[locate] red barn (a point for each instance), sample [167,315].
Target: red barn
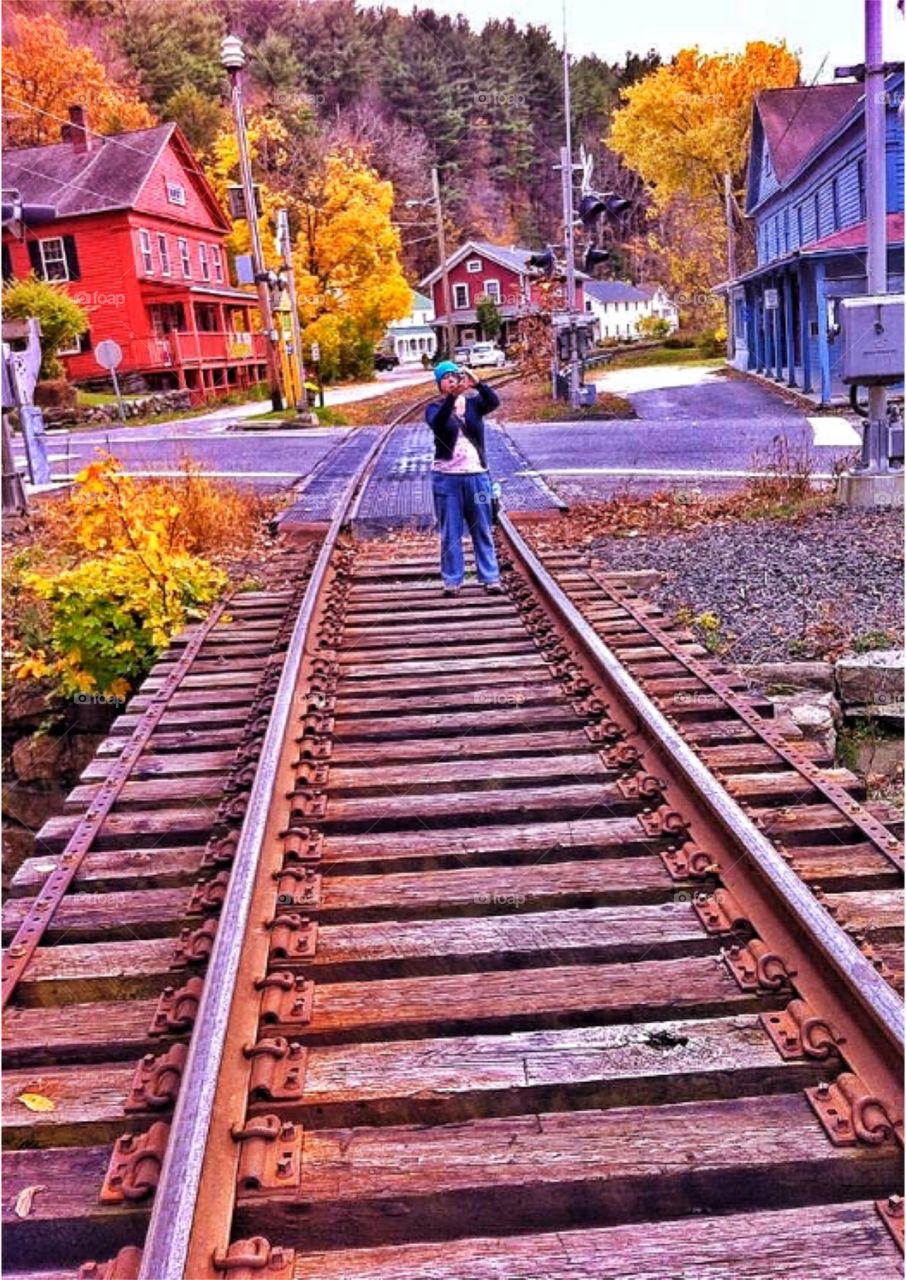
[481,269]
[139,241]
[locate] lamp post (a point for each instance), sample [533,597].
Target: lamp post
[232,59]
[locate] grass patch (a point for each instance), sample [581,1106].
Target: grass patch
[652,356]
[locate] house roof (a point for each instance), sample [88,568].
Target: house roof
[618,291]
[797,120]
[110,175]
[421,302]
[856,237]
[513,257]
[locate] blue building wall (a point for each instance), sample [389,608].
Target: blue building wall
[797,341]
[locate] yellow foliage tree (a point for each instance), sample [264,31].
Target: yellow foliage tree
[268,140]
[349,278]
[682,128]
[44,73]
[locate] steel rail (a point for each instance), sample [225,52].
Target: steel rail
[20,951]
[870,991]
[852,810]
[167,1241]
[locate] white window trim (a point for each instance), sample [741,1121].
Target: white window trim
[496,284]
[71,351]
[474,266]
[61,261]
[185,257]
[171,188]
[144,248]
[217,255]
[163,253]
[204,264]
[460,306]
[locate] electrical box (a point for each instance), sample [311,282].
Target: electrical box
[872,335]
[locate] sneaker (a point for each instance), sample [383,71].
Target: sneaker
[493,588]
[452,591]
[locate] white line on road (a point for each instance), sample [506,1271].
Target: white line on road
[834,431]
[213,475]
[653,471]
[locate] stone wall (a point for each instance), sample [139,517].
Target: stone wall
[45,749]
[153,404]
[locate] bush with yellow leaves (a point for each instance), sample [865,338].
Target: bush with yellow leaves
[112,614]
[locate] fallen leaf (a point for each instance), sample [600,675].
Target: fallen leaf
[36,1102]
[25,1199]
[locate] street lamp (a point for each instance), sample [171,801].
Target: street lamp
[232,59]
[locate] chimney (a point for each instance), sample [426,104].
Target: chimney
[76,131]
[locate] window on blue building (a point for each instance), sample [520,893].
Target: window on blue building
[860,178]
[835,202]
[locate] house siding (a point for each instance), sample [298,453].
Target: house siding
[798,343]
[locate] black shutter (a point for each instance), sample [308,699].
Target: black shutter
[7,264]
[85,341]
[72,258]
[34,257]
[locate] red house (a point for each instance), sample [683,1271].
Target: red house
[481,269]
[139,242]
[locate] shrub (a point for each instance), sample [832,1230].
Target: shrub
[111,617]
[653,327]
[62,320]
[113,613]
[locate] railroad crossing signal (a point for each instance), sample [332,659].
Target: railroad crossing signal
[545,261]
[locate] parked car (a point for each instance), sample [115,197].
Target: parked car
[461,354]
[483,354]
[385,360]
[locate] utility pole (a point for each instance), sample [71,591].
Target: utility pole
[442,250]
[289,275]
[569,236]
[232,59]
[874,442]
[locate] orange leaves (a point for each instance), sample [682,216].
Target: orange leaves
[44,73]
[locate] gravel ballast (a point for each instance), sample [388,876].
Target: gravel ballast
[780,589]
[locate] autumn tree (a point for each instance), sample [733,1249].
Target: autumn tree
[44,73]
[348,274]
[682,128]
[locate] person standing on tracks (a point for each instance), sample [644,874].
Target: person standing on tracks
[463,496]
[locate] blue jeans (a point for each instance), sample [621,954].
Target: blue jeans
[464,501]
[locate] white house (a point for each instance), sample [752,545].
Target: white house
[412,337]
[619,306]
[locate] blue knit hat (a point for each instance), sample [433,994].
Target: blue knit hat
[445,366]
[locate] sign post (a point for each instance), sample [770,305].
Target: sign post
[108,355]
[316,361]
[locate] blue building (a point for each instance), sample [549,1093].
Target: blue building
[806,197]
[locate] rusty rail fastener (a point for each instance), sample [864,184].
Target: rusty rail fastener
[135,1165]
[850,1114]
[270,1155]
[254,1259]
[797,1032]
[156,1082]
[278,1070]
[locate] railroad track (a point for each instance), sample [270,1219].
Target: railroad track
[419,942]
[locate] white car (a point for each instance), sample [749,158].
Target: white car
[483,354]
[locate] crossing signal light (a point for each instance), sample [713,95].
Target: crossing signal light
[593,205]
[594,258]
[545,261]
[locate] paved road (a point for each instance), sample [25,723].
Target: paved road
[695,427]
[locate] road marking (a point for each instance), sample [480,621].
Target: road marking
[653,471]
[834,431]
[212,475]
